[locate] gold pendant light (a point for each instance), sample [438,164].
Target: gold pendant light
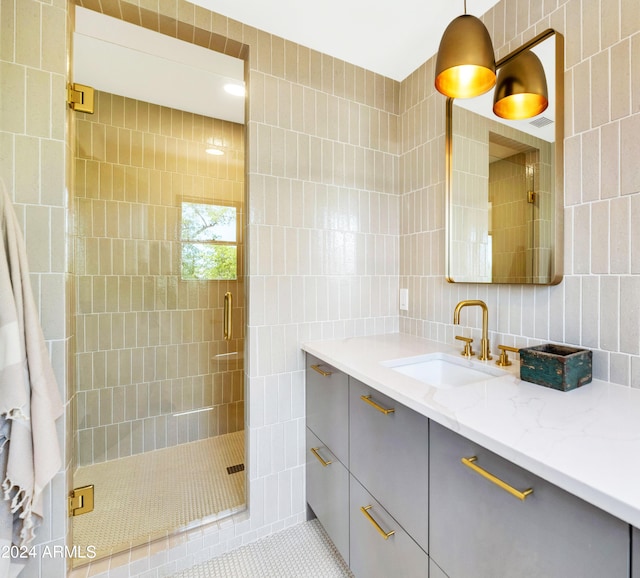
[465,66]
[521,90]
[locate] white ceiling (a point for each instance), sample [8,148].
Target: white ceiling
[120,58]
[392,38]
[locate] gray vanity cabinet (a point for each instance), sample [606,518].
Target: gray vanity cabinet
[635,553]
[327,450]
[389,455]
[380,548]
[478,529]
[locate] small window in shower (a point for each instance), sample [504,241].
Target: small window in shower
[209,237]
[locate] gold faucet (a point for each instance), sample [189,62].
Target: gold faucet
[485,351]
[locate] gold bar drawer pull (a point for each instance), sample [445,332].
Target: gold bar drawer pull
[384,410]
[470,463]
[321,371]
[385,535]
[324,463]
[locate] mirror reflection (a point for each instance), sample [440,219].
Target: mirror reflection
[504,188]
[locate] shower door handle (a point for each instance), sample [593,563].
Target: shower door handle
[226,322]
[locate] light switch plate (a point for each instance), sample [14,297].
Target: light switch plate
[404,299]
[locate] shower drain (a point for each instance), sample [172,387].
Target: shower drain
[235,469]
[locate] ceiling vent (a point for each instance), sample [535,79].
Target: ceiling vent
[541,121]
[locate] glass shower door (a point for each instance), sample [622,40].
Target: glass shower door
[159,348]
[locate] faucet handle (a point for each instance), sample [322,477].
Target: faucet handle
[468,348]
[504,356]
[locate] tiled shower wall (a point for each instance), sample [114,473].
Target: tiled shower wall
[597,305]
[147,340]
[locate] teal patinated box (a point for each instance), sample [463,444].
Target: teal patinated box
[556,366]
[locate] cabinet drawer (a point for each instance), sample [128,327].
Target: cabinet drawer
[327,405]
[371,554]
[389,455]
[478,529]
[328,492]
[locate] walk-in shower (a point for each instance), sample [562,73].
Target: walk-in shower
[158,204]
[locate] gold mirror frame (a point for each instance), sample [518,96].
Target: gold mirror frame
[555,256]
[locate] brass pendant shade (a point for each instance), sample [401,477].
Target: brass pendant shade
[465,66]
[521,90]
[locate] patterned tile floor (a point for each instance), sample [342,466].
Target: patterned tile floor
[150,495]
[302,551]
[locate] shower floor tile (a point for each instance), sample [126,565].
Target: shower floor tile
[149,496]
[302,550]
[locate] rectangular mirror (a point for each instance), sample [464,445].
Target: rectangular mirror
[505,195]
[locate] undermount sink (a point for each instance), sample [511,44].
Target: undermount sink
[443,370]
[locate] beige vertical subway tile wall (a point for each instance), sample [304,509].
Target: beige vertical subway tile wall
[34,163]
[147,341]
[356,209]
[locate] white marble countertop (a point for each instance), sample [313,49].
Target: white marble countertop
[586,441]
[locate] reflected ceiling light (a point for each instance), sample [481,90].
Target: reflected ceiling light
[214,151]
[235,89]
[465,66]
[521,90]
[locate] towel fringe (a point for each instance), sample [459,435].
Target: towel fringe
[15,413]
[20,500]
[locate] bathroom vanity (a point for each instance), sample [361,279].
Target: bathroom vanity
[488,478]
